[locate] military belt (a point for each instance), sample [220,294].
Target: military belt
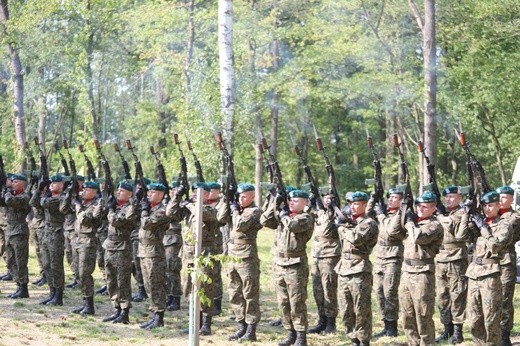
[150,241]
[242,241]
[452,246]
[418,262]
[86,236]
[115,237]
[204,244]
[390,242]
[324,239]
[52,224]
[350,256]
[291,254]
[482,261]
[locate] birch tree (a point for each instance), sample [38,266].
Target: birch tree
[225,49]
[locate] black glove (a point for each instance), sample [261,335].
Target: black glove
[181,190]
[279,200]
[145,205]
[379,208]
[478,221]
[234,207]
[111,203]
[312,200]
[139,192]
[467,205]
[441,209]
[42,185]
[284,213]
[410,216]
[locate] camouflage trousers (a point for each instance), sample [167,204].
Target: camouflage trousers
[485,309]
[100,251]
[354,292]
[36,238]
[244,289]
[452,290]
[387,276]
[70,254]
[2,241]
[118,270]
[508,279]
[17,256]
[52,248]
[154,277]
[208,287]
[417,300]
[325,285]
[291,294]
[173,269]
[219,290]
[136,261]
[86,264]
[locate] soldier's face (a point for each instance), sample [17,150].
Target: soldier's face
[8,183]
[214,194]
[452,200]
[358,207]
[246,198]
[56,187]
[394,201]
[89,193]
[123,195]
[18,185]
[155,196]
[491,209]
[297,204]
[505,201]
[425,210]
[80,184]
[326,200]
[205,196]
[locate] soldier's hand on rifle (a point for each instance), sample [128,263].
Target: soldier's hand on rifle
[145,205]
[139,192]
[410,216]
[181,190]
[42,185]
[480,223]
[279,200]
[233,207]
[441,209]
[379,208]
[467,205]
[111,204]
[284,213]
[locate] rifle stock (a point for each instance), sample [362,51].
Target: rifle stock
[108,188]
[160,172]
[378,173]
[183,174]
[405,177]
[231,182]
[126,167]
[310,178]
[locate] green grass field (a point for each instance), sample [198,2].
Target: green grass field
[25,322]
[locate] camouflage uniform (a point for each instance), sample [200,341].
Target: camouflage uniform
[101,236]
[219,249]
[37,228]
[451,265]
[355,277]
[244,276]
[417,288]
[172,242]
[70,237]
[291,268]
[136,261]
[484,286]
[3,225]
[17,235]
[154,224]
[118,255]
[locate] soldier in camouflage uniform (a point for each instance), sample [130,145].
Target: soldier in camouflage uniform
[388,262]
[53,238]
[3,224]
[215,200]
[244,276]
[178,210]
[89,211]
[101,236]
[37,228]
[326,251]
[484,286]
[172,242]
[123,214]
[16,201]
[70,238]
[451,265]
[293,229]
[508,263]
[154,223]
[422,239]
[358,238]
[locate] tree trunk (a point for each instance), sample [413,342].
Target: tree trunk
[189,50]
[162,101]
[227,87]
[90,81]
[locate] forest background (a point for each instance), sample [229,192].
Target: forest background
[142,70]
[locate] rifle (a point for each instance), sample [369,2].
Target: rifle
[405,177]
[44,168]
[33,174]
[268,167]
[139,175]
[183,174]
[73,170]
[160,172]
[62,160]
[282,203]
[379,190]
[126,167]
[310,178]
[3,175]
[91,173]
[108,189]
[198,167]
[433,180]
[231,182]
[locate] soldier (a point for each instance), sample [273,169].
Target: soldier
[172,242]
[123,214]
[451,265]
[422,239]
[213,200]
[244,276]
[388,262]
[70,238]
[154,224]
[484,286]
[101,236]
[3,224]
[36,230]
[326,251]
[53,238]
[508,263]
[179,210]
[293,229]
[16,202]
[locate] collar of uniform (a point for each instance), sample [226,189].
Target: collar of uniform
[360,216]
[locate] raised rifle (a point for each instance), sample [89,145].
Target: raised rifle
[231,182]
[44,168]
[310,178]
[198,167]
[3,175]
[73,170]
[33,173]
[183,174]
[160,173]
[62,160]
[379,189]
[433,180]
[283,201]
[268,167]
[139,175]
[405,179]
[126,167]
[109,188]
[91,173]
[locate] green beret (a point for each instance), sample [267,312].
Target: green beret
[9,175]
[506,190]
[289,188]
[394,191]
[245,187]
[18,177]
[156,187]
[200,185]
[91,185]
[80,177]
[426,197]
[214,185]
[299,193]
[452,189]
[173,185]
[490,197]
[56,179]
[348,196]
[359,196]
[126,185]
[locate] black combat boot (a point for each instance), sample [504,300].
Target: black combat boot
[52,292]
[276,323]
[250,334]
[43,281]
[330,327]
[175,304]
[356,342]
[217,306]
[457,337]
[169,300]
[57,299]
[146,324]
[140,295]
[73,284]
[241,330]
[89,306]
[78,310]
[391,328]
[123,318]
[446,334]
[7,277]
[384,332]
[112,317]
[10,295]
[289,339]
[158,320]
[37,281]
[506,335]
[301,339]
[102,290]
[322,322]
[366,343]
[205,328]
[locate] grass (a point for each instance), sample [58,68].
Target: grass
[25,322]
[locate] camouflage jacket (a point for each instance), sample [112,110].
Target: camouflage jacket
[154,224]
[121,222]
[326,238]
[456,234]
[88,218]
[17,209]
[38,218]
[389,247]
[51,205]
[510,253]
[173,235]
[3,218]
